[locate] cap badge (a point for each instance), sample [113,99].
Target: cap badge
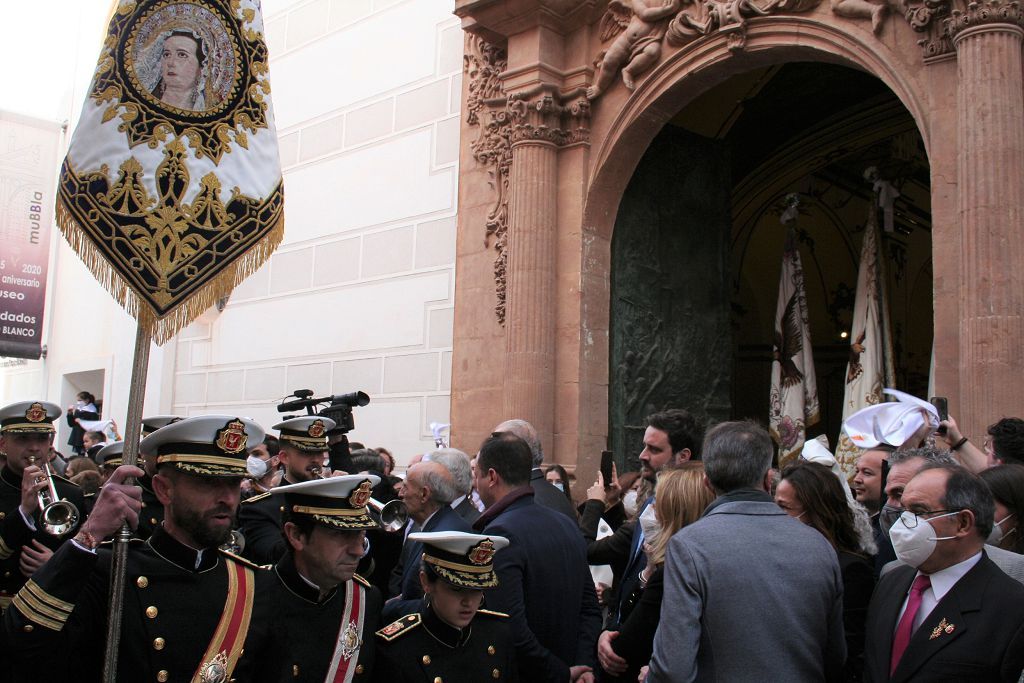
[482,553]
[317,429]
[232,439]
[361,496]
[35,413]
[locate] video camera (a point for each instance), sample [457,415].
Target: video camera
[338,408]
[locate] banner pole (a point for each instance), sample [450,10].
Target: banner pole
[119,562]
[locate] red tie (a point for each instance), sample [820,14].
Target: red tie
[906,626]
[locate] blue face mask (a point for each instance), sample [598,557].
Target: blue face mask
[559,485]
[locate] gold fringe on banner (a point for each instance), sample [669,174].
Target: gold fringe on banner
[164,327]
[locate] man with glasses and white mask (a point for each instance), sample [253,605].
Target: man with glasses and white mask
[949,613]
[904,465]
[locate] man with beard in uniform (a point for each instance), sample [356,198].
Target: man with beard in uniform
[316,616]
[186,606]
[153,511]
[26,434]
[303,442]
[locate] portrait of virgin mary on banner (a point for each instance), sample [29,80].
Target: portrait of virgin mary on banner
[171,191]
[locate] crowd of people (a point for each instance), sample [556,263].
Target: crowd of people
[303,557]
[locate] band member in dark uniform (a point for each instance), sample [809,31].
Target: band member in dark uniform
[186,606]
[303,448]
[450,639]
[26,435]
[317,616]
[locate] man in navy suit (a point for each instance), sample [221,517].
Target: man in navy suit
[949,613]
[544,583]
[544,493]
[428,491]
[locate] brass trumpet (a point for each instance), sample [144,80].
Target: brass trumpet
[59,516]
[392,516]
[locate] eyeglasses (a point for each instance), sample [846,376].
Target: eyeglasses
[918,515]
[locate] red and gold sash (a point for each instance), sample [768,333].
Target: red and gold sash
[350,636]
[226,645]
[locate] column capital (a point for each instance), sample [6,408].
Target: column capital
[983,16]
[544,118]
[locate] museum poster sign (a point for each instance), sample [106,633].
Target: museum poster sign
[28,173]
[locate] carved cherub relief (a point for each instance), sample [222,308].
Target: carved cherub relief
[861,9]
[640,26]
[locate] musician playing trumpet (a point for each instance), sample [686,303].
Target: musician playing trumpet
[303,450]
[26,435]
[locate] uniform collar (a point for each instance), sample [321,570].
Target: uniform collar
[446,634]
[177,553]
[298,584]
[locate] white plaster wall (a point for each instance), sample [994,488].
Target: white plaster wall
[360,293]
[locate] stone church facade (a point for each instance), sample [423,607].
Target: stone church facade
[562,99]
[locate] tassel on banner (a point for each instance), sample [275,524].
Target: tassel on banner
[162,329]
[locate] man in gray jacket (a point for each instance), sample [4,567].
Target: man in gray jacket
[751,594]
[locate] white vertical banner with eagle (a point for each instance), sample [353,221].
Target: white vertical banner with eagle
[865,372]
[794,393]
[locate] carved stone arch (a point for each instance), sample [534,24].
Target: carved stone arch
[621,137]
[692,70]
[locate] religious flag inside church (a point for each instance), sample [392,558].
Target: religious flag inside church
[865,370]
[171,191]
[793,400]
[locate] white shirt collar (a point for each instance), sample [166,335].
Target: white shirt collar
[944,579]
[455,503]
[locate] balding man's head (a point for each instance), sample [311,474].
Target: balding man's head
[428,486]
[525,431]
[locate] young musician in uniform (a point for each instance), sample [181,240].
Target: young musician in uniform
[26,435]
[450,639]
[303,447]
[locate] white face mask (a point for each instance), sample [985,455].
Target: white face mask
[255,466]
[629,502]
[914,546]
[558,485]
[995,537]
[649,523]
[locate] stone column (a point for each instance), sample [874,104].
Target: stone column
[987,37]
[532,246]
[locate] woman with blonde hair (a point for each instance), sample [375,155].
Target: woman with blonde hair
[681,496]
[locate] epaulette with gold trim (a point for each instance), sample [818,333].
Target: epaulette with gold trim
[361,580]
[492,613]
[253,499]
[241,560]
[397,628]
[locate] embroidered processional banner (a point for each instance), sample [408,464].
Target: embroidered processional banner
[171,189]
[793,399]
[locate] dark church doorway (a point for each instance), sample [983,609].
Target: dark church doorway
[698,241]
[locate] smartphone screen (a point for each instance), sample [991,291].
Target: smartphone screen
[942,407]
[606,467]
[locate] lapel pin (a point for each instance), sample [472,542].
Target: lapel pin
[943,627]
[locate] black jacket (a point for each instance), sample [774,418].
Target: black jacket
[975,633]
